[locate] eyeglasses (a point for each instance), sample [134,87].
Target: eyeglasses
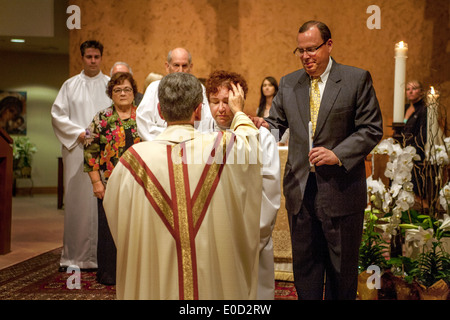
[125,90]
[310,51]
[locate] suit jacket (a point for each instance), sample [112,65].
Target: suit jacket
[349,123]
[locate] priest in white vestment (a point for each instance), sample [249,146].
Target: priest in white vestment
[217,89]
[184,208]
[149,122]
[78,100]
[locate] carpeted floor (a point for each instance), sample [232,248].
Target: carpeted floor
[38,279]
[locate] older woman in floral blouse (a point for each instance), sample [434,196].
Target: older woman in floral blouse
[110,134]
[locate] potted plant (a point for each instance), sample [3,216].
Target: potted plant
[431,269]
[371,253]
[433,274]
[402,277]
[23,151]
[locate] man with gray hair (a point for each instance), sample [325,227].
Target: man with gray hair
[120,66]
[148,120]
[183,213]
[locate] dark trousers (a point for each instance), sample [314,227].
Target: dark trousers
[325,250]
[106,250]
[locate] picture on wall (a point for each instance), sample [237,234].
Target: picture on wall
[13,112]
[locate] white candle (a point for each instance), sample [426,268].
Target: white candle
[401,51]
[310,134]
[434,133]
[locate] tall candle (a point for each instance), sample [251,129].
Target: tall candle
[434,132]
[401,51]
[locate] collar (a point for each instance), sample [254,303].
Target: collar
[324,76]
[177,133]
[84,76]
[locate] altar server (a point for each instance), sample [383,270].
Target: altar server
[78,100]
[184,208]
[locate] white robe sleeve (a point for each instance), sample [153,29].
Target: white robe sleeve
[270,184]
[270,203]
[149,123]
[66,130]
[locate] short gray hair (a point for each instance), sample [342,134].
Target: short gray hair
[123,64]
[179,95]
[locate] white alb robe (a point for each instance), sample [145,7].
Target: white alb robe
[78,100]
[149,122]
[185,230]
[271,197]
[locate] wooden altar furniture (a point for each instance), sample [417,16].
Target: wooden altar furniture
[6,185]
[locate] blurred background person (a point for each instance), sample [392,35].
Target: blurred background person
[415,133]
[110,134]
[269,88]
[415,129]
[152,76]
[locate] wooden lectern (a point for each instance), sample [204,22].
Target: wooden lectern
[6,183]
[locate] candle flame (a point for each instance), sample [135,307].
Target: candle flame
[401,44]
[432,90]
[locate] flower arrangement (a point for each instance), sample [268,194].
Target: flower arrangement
[398,197]
[23,151]
[392,211]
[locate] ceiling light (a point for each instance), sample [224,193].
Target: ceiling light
[18,40]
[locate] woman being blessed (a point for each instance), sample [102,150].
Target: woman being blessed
[110,134]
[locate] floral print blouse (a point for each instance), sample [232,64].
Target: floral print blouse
[107,138]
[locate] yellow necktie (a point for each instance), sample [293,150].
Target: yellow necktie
[314,102]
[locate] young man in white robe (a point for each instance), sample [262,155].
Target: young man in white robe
[184,208]
[149,122]
[217,89]
[78,100]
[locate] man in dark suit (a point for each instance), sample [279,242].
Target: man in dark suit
[324,180]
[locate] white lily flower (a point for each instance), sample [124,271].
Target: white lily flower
[445,223]
[405,200]
[375,186]
[386,202]
[384,147]
[405,160]
[402,175]
[408,186]
[396,150]
[444,196]
[447,143]
[395,189]
[438,155]
[420,237]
